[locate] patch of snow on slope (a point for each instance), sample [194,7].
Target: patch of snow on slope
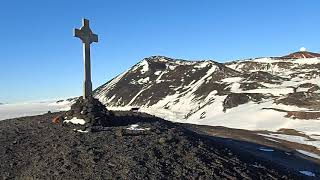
[234,83]
[316,156]
[80,131]
[110,100]
[235,88]
[263,60]
[145,66]
[266,149]
[302,89]
[134,127]
[308,173]
[75,120]
[294,61]
[171,66]
[252,116]
[288,107]
[272,140]
[143,80]
[236,66]
[158,80]
[295,139]
[307,61]
[232,79]
[273,91]
[202,65]
[294,82]
[134,98]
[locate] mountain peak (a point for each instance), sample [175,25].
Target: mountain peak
[302,54]
[158,58]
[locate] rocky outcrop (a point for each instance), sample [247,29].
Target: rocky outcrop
[236,99]
[302,99]
[261,76]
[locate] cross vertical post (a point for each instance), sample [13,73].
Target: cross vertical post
[87,71]
[87,37]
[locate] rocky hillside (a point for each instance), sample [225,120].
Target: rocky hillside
[255,94]
[136,147]
[166,83]
[183,88]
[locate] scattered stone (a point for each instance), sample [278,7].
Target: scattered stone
[57,120]
[162,140]
[119,132]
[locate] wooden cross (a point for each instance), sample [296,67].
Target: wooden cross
[87,37]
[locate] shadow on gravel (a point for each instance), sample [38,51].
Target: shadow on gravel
[129,120]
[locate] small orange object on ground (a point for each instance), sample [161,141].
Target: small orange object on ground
[56,120]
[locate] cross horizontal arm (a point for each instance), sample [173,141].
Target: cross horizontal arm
[77,33]
[94,38]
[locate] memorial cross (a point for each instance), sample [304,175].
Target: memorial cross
[87,37]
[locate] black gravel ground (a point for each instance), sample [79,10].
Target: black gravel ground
[36,148]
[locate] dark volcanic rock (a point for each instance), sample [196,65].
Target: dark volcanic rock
[35,148]
[236,99]
[251,85]
[261,76]
[302,99]
[311,87]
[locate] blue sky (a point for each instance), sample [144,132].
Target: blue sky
[41,60]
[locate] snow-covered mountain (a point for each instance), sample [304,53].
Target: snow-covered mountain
[255,94]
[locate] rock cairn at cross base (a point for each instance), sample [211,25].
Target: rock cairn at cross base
[92,111]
